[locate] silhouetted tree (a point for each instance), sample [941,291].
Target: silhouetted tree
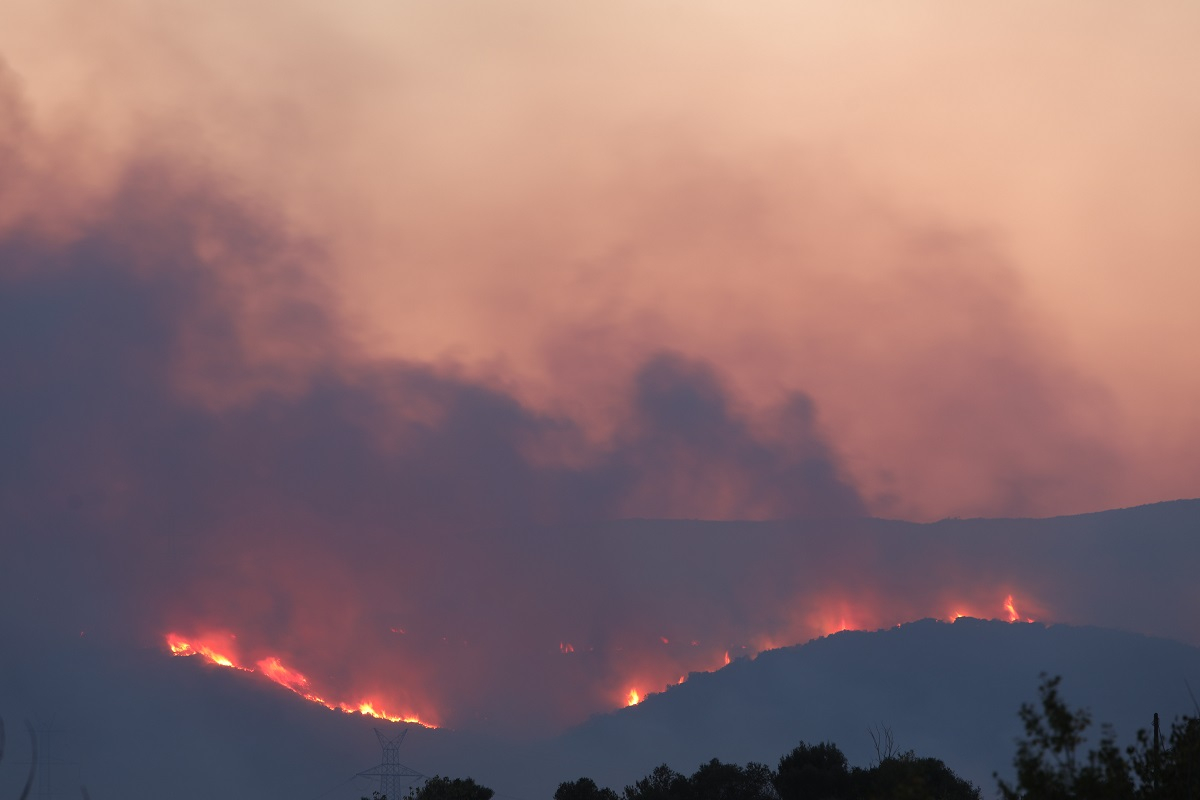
[809,772]
[907,777]
[884,741]
[439,788]
[814,772]
[1049,765]
[1047,759]
[583,789]
[1171,770]
[718,781]
[663,783]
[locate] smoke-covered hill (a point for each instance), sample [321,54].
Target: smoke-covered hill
[945,690]
[129,720]
[131,725]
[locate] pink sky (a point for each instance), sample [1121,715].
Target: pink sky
[967,232]
[323,323]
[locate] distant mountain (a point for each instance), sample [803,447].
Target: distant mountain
[143,725]
[134,722]
[1132,568]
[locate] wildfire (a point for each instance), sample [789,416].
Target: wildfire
[1008,607]
[181,647]
[841,615]
[292,680]
[369,709]
[1011,608]
[276,671]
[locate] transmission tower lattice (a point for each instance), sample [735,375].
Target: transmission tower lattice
[391,773]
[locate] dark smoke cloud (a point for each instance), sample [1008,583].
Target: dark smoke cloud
[189,442]
[694,457]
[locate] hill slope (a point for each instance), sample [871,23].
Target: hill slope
[134,720]
[951,691]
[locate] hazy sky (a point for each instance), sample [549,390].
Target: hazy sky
[968,233]
[290,293]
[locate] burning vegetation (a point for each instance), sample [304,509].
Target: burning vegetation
[274,669]
[221,649]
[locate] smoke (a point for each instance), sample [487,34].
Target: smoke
[538,203]
[190,443]
[364,386]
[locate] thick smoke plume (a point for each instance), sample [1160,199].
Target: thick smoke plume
[374,408]
[190,445]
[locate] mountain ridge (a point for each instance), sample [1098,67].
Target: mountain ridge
[948,690]
[853,681]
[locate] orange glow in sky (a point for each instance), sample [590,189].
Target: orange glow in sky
[544,309]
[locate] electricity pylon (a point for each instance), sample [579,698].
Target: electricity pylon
[391,773]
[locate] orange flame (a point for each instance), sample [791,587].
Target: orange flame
[1011,608]
[182,647]
[838,615]
[276,671]
[271,667]
[1013,616]
[368,708]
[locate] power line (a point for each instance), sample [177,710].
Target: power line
[391,773]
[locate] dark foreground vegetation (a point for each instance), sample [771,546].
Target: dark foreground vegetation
[816,772]
[1051,763]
